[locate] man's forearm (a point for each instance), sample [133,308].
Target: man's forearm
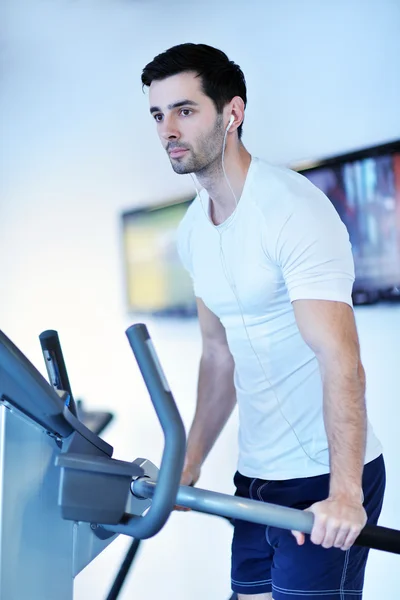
[216,400]
[346,426]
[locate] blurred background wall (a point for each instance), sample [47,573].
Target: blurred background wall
[78,147]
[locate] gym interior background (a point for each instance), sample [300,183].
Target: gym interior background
[78,148]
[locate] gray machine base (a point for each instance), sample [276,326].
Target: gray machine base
[32,528]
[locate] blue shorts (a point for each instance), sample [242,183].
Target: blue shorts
[266,559]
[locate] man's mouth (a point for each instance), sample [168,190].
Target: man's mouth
[177,152]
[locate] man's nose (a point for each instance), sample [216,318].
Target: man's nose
[169,130]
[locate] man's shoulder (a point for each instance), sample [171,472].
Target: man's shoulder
[271,190]
[279,190]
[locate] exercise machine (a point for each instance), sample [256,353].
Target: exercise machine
[64,498]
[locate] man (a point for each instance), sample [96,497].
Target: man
[272,272]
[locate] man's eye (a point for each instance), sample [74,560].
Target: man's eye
[186,112]
[158,118]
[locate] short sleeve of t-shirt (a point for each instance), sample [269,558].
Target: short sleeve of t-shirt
[313,250]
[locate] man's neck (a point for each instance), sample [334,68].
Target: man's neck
[237,162]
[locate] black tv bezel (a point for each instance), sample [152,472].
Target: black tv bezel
[372,151]
[148,208]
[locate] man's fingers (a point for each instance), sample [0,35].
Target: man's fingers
[351,537]
[331,534]
[332,530]
[341,537]
[318,531]
[300,537]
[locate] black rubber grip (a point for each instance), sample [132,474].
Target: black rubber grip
[380,538]
[55,365]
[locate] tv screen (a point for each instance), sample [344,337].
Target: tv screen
[156,281]
[364,188]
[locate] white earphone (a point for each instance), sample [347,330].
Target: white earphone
[230,122]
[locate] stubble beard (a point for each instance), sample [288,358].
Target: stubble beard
[206,160]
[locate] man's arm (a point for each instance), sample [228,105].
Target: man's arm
[216,396]
[329,329]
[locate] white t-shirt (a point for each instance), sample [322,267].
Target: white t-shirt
[284,242]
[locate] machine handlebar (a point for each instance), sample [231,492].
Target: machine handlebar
[174,434]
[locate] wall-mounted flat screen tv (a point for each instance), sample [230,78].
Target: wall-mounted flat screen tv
[156,281]
[364,187]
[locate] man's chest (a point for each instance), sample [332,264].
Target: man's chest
[232,273]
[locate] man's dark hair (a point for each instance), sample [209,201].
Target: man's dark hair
[221,78]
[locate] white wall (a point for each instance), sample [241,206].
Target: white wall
[77,146]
